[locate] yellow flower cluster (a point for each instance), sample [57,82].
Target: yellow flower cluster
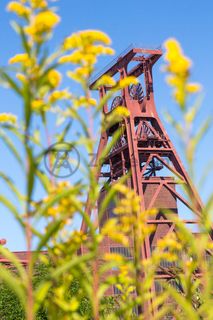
[178,66]
[40,19]
[78,237]
[54,78]
[59,95]
[121,112]
[125,282]
[112,230]
[18,8]
[79,74]
[113,257]
[39,105]
[105,80]
[39,4]
[22,58]
[42,24]
[68,306]
[128,216]
[123,83]
[21,77]
[85,38]
[84,102]
[129,203]
[8,118]
[170,241]
[178,63]
[193,87]
[65,205]
[85,46]
[168,248]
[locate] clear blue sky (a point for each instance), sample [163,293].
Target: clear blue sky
[147,23]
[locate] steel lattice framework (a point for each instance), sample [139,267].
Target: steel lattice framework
[144,149]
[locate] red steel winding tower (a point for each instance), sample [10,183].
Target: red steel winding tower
[144,149]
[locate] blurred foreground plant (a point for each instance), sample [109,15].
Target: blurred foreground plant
[34,76]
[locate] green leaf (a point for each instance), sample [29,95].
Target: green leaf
[21,136]
[206,171]
[31,173]
[12,209]
[71,264]
[43,78]
[43,179]
[185,305]
[37,136]
[41,293]
[109,146]
[25,43]
[12,186]
[8,142]
[42,210]
[194,141]
[63,134]
[10,82]
[19,29]
[202,130]
[109,196]
[74,114]
[27,109]
[15,262]
[54,227]
[192,112]
[170,119]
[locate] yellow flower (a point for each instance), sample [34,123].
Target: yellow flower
[52,212]
[177,62]
[42,23]
[170,242]
[121,188]
[84,102]
[111,230]
[174,81]
[78,237]
[39,4]
[64,205]
[22,58]
[193,87]
[54,78]
[72,42]
[123,83]
[21,77]
[64,202]
[179,96]
[63,184]
[84,38]
[76,57]
[121,111]
[18,9]
[173,49]
[59,95]
[178,66]
[89,59]
[113,257]
[8,118]
[100,49]
[95,36]
[39,106]
[105,80]
[80,74]
[79,57]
